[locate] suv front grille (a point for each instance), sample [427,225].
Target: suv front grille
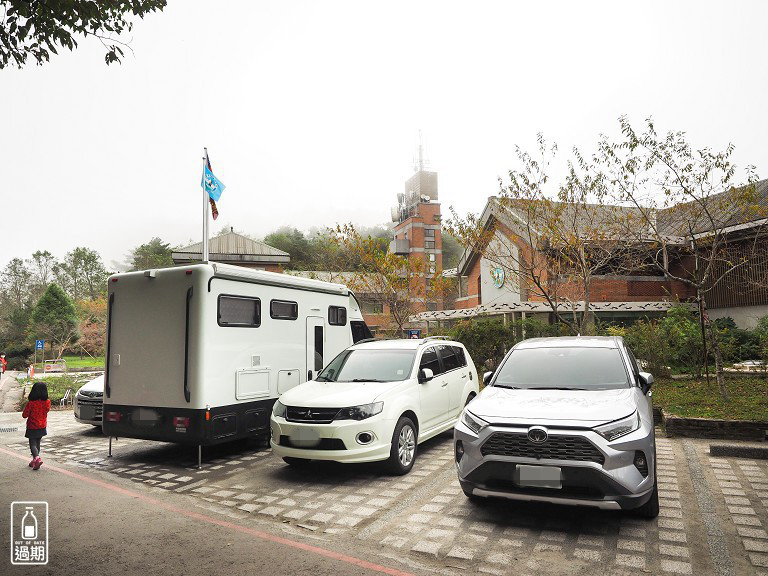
[310,415]
[555,448]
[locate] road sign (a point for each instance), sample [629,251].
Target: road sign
[39,344]
[414,333]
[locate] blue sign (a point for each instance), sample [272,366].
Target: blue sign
[414,333]
[39,344]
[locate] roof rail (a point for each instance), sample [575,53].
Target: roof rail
[426,338]
[364,340]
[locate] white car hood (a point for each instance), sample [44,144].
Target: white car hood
[95,385]
[503,405]
[314,394]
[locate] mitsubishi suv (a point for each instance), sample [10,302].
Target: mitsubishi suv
[376,401]
[563,420]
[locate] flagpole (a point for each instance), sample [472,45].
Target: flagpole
[205,211]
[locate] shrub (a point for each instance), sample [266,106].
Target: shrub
[486,339]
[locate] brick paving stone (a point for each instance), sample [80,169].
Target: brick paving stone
[271,510]
[671,536]
[588,554]
[435,508]
[426,547]
[734,492]
[450,522]
[437,534]
[461,553]
[630,560]
[481,527]
[748,510]
[746,520]
[500,558]
[553,536]
[670,513]
[518,532]
[629,532]
[491,570]
[348,520]
[396,541]
[676,567]
[420,518]
[633,545]
[507,543]
[737,501]
[752,532]
[669,503]
[267,499]
[755,545]
[248,507]
[321,517]
[760,560]
[541,547]
[670,550]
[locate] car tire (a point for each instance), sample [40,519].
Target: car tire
[402,454]
[651,508]
[296,462]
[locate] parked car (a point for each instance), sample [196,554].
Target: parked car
[562,420]
[376,401]
[88,404]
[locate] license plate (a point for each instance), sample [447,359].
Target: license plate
[539,476]
[87,412]
[302,437]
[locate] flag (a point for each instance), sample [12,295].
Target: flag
[212,185]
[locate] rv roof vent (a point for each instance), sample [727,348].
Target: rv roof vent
[255,361]
[150,273]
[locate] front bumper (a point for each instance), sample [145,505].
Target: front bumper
[336,441]
[607,479]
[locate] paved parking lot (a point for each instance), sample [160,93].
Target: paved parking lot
[712,521]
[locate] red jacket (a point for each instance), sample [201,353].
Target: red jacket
[36,413]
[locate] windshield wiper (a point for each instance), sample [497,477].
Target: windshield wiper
[367,380]
[322,379]
[504,386]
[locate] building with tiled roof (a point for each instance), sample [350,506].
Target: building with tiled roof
[234,248]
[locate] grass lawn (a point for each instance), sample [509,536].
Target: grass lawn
[57,387]
[694,398]
[75,363]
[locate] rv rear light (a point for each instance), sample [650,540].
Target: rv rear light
[114,279]
[180,422]
[207,415]
[188,272]
[113,416]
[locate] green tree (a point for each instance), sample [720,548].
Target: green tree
[153,254]
[82,274]
[15,283]
[38,28]
[55,318]
[41,267]
[294,242]
[486,339]
[452,250]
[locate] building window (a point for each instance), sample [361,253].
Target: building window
[431,257]
[429,244]
[337,315]
[429,232]
[283,310]
[378,308]
[239,311]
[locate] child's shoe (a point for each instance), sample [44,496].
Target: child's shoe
[32,462]
[38,463]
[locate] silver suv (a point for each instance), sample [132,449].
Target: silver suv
[562,420]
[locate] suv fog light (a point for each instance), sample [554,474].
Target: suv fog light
[364,438]
[459,450]
[641,463]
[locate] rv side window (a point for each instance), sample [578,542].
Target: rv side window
[239,311]
[337,316]
[283,310]
[360,331]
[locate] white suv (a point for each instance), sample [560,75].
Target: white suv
[375,401]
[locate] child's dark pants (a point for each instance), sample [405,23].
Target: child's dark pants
[34,446]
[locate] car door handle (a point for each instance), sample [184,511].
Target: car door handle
[444,384]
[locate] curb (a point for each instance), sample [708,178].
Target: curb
[739,451]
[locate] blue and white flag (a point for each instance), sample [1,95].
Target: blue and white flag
[210,183]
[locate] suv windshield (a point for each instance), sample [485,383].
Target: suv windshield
[563,368]
[369,366]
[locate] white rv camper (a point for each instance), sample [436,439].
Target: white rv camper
[198,354]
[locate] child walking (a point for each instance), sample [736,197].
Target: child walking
[36,413]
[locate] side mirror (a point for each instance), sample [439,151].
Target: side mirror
[646,381]
[487,378]
[425,375]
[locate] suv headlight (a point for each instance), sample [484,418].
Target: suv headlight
[619,428]
[360,412]
[278,410]
[473,422]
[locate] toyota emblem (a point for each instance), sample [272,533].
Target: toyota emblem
[537,434]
